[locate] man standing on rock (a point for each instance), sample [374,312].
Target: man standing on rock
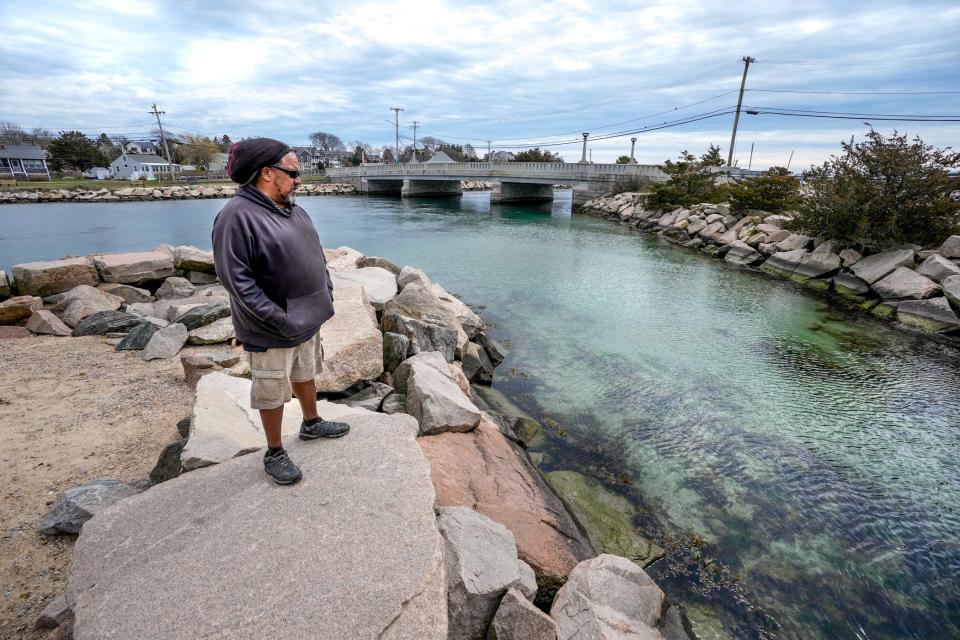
[268,257]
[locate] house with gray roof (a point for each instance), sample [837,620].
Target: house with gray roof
[23,162]
[142,165]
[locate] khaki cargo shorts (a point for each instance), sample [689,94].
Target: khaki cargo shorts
[273,370]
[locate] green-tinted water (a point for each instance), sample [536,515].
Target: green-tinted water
[799,463]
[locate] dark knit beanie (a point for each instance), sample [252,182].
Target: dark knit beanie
[247,157]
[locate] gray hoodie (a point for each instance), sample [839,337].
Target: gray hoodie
[270,261]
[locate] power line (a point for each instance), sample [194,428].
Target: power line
[859,93]
[861,114]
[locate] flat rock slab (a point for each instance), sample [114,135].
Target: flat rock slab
[132,268]
[223,426]
[19,308]
[906,283]
[43,321]
[54,276]
[875,267]
[351,551]
[352,342]
[380,284]
[931,315]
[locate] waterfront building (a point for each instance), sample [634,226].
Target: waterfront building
[23,162]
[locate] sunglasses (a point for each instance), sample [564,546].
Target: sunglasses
[293,173]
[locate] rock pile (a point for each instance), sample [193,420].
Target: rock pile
[477,185]
[919,288]
[177,192]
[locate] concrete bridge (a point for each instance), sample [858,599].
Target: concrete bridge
[512,181]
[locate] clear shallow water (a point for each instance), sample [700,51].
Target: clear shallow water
[801,463]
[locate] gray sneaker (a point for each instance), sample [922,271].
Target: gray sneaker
[323,429]
[281,468]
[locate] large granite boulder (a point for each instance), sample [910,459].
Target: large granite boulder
[166,342]
[485,471]
[793,242]
[76,506]
[413,275]
[19,308]
[188,258]
[934,315]
[341,258]
[741,254]
[950,247]
[130,295]
[423,336]
[429,358]
[374,261]
[936,267]
[223,426]
[481,564]
[905,283]
[817,264]
[395,349]
[469,321]
[608,598]
[352,342]
[134,268]
[45,322]
[783,263]
[476,364]
[518,619]
[951,289]
[54,276]
[351,551]
[175,288]
[437,402]
[84,300]
[4,285]
[379,284]
[850,286]
[873,268]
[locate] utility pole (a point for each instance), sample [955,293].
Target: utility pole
[163,138]
[414,127]
[396,126]
[489,154]
[791,157]
[736,119]
[750,164]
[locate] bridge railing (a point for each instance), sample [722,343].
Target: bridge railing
[479,170]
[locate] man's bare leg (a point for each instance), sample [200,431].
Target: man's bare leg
[272,423]
[306,393]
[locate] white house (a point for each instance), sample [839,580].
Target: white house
[132,166]
[218,165]
[97,173]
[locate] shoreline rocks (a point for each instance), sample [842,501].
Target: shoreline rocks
[173,192]
[879,283]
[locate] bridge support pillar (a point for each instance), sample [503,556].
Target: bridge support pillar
[521,192]
[432,188]
[594,190]
[381,187]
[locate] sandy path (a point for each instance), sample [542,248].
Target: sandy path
[71,410]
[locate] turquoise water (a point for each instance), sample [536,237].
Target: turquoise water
[799,463]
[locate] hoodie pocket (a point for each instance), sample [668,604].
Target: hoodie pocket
[307,313]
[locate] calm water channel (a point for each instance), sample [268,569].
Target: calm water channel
[809,455]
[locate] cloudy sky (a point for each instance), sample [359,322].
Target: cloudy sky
[519,73]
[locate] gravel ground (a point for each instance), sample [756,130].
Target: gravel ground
[71,410]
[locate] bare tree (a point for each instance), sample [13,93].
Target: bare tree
[11,133]
[326,141]
[469,151]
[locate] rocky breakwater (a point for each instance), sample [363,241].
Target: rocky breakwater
[916,287]
[477,185]
[426,521]
[175,192]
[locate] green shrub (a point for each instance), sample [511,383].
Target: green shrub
[690,182]
[881,192]
[775,191]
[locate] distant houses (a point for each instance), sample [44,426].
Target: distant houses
[142,165]
[23,162]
